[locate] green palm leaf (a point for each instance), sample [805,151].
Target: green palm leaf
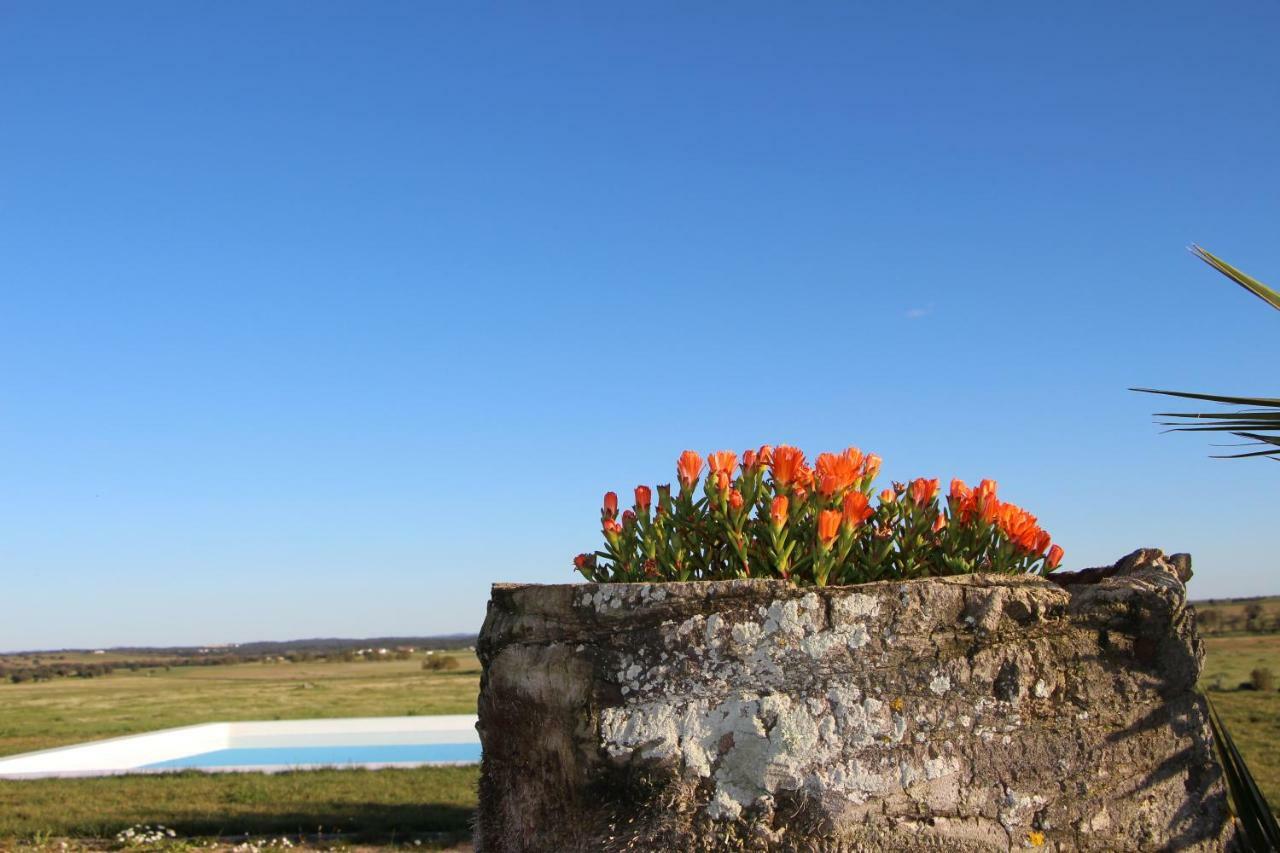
[1251,424]
[1248,282]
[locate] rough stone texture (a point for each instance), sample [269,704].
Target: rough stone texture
[969,713]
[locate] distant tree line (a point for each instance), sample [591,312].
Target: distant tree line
[1254,617]
[45,666]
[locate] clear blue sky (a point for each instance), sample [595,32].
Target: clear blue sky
[318,318]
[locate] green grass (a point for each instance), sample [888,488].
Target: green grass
[382,804]
[1253,718]
[45,714]
[360,804]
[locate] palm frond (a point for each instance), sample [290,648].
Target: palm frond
[1246,281]
[1251,423]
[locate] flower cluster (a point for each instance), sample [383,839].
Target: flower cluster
[141,835]
[773,515]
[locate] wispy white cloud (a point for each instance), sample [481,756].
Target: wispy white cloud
[917,313]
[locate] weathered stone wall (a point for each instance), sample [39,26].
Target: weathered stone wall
[965,713]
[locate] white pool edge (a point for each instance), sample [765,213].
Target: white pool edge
[132,753]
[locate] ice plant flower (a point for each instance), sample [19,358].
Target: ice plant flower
[778,511]
[923,491]
[871,466]
[688,468]
[722,460]
[828,526]
[811,525]
[787,463]
[837,473]
[856,509]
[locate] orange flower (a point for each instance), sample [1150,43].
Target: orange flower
[986,490]
[611,504]
[804,477]
[611,528]
[1054,557]
[778,511]
[735,499]
[837,473]
[857,509]
[828,525]
[643,497]
[748,460]
[787,464]
[871,466]
[887,496]
[688,468]
[765,454]
[722,460]
[959,491]
[923,491]
[939,522]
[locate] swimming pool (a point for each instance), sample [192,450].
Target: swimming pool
[266,746]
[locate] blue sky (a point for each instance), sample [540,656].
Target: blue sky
[319,318]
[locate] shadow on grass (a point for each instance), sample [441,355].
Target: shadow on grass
[352,820]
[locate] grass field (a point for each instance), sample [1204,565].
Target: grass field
[384,805]
[39,715]
[1253,718]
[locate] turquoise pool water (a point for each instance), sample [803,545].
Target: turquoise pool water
[292,756]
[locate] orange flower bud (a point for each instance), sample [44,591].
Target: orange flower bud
[887,496]
[856,509]
[643,497]
[611,527]
[722,461]
[872,465]
[688,468]
[748,460]
[923,491]
[722,480]
[939,522]
[986,490]
[735,499]
[959,491]
[610,504]
[778,511]
[1054,557]
[828,525]
[628,518]
[765,454]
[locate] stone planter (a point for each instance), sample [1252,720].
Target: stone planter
[968,713]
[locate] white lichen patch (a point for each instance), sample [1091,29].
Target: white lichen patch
[720,703]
